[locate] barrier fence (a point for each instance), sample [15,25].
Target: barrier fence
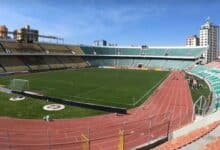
[125,135]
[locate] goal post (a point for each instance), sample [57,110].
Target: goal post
[19,85]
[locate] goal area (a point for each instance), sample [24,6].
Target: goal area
[19,85]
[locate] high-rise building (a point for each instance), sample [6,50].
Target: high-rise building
[209,36]
[192,41]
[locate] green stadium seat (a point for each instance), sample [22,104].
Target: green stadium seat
[138,51]
[212,75]
[155,52]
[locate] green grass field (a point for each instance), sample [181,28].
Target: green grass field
[122,88]
[33,109]
[203,91]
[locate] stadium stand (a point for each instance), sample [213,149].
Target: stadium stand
[170,64]
[73,62]
[38,56]
[129,51]
[184,52]
[103,51]
[75,49]
[155,52]
[153,57]
[1,69]
[94,62]
[124,62]
[151,51]
[79,62]
[97,56]
[156,63]
[143,62]
[87,50]
[15,47]
[67,61]
[53,62]
[55,48]
[193,136]
[108,62]
[35,63]
[146,63]
[12,64]
[212,75]
[2,50]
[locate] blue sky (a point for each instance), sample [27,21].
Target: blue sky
[125,22]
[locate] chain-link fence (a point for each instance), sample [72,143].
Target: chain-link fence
[125,135]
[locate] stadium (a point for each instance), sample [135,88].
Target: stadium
[137,87]
[115,97]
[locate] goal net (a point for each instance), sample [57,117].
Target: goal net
[19,85]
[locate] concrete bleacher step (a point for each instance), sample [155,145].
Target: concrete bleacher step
[2,69]
[55,48]
[202,141]
[2,48]
[12,64]
[193,140]
[213,145]
[16,47]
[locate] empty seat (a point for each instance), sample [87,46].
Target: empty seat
[36,63]
[12,64]
[15,47]
[55,48]
[53,62]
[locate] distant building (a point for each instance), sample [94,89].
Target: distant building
[100,43]
[209,36]
[26,34]
[3,32]
[192,41]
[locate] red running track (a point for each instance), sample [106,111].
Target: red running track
[168,108]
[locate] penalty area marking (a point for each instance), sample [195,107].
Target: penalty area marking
[17,98]
[53,107]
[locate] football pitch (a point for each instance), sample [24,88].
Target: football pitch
[121,88]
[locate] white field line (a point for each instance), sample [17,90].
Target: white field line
[141,98]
